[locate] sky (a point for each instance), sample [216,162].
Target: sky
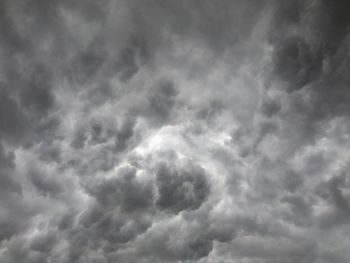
[151,131]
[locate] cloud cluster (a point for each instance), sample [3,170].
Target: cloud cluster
[174,131]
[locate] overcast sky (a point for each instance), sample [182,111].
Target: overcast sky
[152,131]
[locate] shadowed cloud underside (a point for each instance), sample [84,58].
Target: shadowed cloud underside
[174,131]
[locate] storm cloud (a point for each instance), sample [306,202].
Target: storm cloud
[174,131]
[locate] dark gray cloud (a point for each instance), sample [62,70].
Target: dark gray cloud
[311,53]
[14,122]
[174,131]
[125,191]
[183,189]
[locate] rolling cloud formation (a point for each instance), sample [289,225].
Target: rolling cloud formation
[174,131]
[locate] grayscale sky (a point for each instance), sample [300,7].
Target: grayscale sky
[155,131]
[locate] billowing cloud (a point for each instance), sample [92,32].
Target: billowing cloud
[174,131]
[181,190]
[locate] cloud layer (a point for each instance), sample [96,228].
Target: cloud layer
[174,131]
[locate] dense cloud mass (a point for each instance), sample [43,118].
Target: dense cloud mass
[174,131]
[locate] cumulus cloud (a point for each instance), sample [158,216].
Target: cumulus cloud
[174,131]
[181,190]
